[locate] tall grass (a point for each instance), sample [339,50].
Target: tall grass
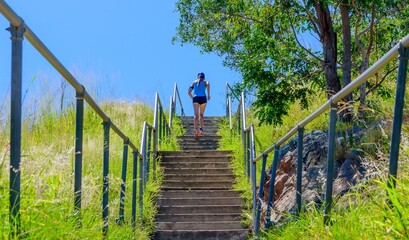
[370,210]
[364,213]
[47,174]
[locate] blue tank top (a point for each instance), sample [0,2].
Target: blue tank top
[199,89]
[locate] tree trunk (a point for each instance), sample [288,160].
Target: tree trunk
[347,112]
[366,53]
[362,89]
[329,42]
[346,34]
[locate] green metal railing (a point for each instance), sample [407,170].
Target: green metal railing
[172,108]
[237,116]
[250,158]
[152,135]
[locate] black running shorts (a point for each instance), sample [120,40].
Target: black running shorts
[200,100]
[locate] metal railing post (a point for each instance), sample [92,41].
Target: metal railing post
[171,109]
[330,161]
[248,153]
[298,193]
[176,94]
[162,122]
[160,127]
[244,142]
[17,34]
[398,114]
[145,161]
[105,178]
[243,133]
[154,152]
[271,191]
[253,171]
[155,134]
[227,101]
[120,219]
[134,182]
[229,115]
[260,195]
[141,184]
[148,152]
[79,129]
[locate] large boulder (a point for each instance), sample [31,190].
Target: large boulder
[348,172]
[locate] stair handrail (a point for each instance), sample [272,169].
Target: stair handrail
[249,148]
[229,93]
[250,159]
[151,140]
[161,128]
[172,108]
[237,116]
[19,29]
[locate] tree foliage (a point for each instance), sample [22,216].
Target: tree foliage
[289,50]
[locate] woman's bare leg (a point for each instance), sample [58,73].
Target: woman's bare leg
[196,107]
[202,109]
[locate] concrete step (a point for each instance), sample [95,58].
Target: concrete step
[207,121]
[177,170]
[205,217]
[206,118]
[222,225]
[195,188]
[199,177]
[233,234]
[198,193]
[199,144]
[196,159]
[203,153]
[189,184]
[203,137]
[200,201]
[194,209]
[199,147]
[206,131]
[206,126]
[191,164]
[198,141]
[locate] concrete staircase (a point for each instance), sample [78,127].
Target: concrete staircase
[196,200]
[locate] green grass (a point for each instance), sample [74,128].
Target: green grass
[363,213]
[47,174]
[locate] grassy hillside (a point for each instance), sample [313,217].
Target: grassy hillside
[363,213]
[47,174]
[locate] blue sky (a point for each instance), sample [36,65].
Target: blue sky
[120,50]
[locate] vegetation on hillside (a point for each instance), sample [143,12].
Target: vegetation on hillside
[47,173]
[370,210]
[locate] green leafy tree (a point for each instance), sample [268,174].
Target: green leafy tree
[285,50]
[377,26]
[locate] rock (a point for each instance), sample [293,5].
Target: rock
[348,172]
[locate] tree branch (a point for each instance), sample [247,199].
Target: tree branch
[371,30]
[379,83]
[312,19]
[298,42]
